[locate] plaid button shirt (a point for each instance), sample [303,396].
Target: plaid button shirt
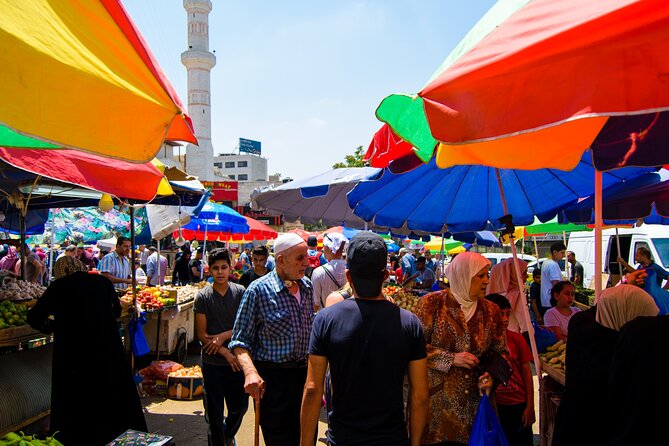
[271,323]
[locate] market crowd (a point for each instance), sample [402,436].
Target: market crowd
[303,328]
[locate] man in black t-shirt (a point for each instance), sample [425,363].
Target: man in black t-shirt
[258,259]
[215,310]
[370,344]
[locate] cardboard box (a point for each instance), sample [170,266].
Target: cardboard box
[184,388]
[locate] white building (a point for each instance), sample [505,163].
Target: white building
[241,167]
[199,62]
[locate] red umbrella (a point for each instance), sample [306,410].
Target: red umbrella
[120,178]
[259,231]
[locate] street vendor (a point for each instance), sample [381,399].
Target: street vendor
[270,339]
[156,267]
[115,266]
[424,277]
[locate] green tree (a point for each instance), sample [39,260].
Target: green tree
[354,160]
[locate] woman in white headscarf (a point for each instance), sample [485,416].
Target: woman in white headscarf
[591,342]
[459,327]
[503,281]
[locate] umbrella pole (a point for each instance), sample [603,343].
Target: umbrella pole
[598,234]
[132,275]
[441,255]
[160,271]
[620,266]
[23,250]
[521,287]
[53,233]
[567,266]
[536,250]
[204,250]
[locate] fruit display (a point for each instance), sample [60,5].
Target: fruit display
[151,298]
[17,290]
[585,296]
[555,355]
[403,298]
[12,315]
[188,372]
[13,438]
[155,299]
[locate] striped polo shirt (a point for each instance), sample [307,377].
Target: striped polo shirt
[118,267]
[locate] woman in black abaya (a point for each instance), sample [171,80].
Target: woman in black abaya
[93,394]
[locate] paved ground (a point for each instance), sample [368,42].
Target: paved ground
[184,420]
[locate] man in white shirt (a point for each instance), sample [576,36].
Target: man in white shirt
[551,274]
[331,276]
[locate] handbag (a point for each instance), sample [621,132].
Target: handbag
[487,430]
[495,364]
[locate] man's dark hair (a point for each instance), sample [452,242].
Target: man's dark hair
[219,254]
[421,259]
[260,251]
[312,241]
[499,300]
[645,252]
[121,240]
[536,272]
[557,246]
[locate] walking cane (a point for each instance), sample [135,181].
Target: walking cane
[256,432]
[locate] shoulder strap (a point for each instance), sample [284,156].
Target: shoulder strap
[331,276]
[345,294]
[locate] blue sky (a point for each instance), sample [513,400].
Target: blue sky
[305,77]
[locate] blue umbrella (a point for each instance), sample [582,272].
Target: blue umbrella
[220,212]
[645,197]
[474,198]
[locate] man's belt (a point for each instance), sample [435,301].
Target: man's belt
[281,365]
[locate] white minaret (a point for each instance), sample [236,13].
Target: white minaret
[199,62]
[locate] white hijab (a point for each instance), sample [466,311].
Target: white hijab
[460,273]
[621,304]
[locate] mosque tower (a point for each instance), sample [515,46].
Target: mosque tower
[199,62]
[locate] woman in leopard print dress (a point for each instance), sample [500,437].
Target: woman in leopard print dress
[459,328]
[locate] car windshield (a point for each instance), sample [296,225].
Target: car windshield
[662,247]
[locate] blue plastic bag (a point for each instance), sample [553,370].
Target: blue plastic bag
[139,345]
[487,430]
[543,337]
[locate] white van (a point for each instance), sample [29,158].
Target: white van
[653,237]
[497,257]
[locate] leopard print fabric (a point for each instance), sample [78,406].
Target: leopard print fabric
[454,396]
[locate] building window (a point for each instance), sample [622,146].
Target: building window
[229,164]
[242,164]
[232,177]
[242,177]
[219,165]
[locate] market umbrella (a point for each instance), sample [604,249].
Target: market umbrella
[579,75]
[645,197]
[257,231]
[436,243]
[470,198]
[79,75]
[316,199]
[349,233]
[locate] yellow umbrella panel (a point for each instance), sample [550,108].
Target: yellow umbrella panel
[78,74]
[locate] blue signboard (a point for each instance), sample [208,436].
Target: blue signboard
[249,146]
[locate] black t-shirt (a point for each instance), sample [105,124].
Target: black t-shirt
[220,312]
[248,277]
[197,264]
[368,344]
[576,270]
[181,274]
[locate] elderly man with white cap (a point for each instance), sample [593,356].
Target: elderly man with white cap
[270,339]
[331,276]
